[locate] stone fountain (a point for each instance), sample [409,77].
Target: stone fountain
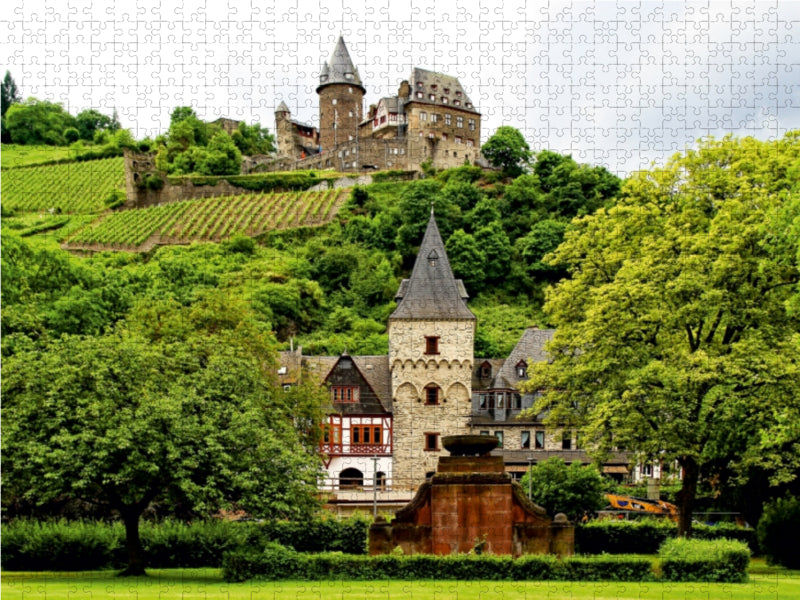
[471,501]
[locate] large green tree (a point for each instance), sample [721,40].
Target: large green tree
[176,404]
[9,94]
[673,335]
[557,487]
[508,150]
[38,122]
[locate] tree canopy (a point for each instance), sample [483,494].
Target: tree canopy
[573,489]
[674,335]
[176,404]
[508,150]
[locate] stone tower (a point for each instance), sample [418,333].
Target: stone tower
[431,338]
[283,131]
[340,99]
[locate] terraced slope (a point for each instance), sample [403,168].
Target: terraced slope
[208,219]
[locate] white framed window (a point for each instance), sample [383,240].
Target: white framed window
[459,121]
[423,116]
[447,119]
[471,124]
[334,101]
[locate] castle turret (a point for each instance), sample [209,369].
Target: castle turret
[431,338]
[284,131]
[340,99]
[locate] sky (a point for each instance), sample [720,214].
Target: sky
[620,84]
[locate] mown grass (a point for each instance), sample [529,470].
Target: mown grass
[765,582]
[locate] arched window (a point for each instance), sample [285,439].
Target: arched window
[351,478]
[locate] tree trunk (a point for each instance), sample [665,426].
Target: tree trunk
[691,474]
[130,516]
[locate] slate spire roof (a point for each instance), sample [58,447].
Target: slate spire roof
[282,107]
[339,69]
[432,292]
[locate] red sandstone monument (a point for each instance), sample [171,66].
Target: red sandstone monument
[471,501]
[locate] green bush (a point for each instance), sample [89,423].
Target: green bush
[704,560]
[61,545]
[68,545]
[277,563]
[779,531]
[645,536]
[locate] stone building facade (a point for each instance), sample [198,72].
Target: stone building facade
[430,385]
[430,119]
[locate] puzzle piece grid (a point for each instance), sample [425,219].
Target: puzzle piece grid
[618,84]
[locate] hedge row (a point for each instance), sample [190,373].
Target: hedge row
[277,563]
[703,560]
[681,560]
[645,536]
[70,545]
[265,182]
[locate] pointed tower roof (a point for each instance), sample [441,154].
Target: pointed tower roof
[432,292]
[339,69]
[282,108]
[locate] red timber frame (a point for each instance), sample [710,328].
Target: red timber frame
[338,424]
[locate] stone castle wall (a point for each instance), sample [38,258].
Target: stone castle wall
[412,371]
[339,114]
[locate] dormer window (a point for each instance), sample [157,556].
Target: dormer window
[419,95]
[433,256]
[522,369]
[348,75]
[486,371]
[444,99]
[419,84]
[469,104]
[323,78]
[432,97]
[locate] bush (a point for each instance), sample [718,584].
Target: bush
[778,532]
[282,563]
[61,545]
[645,536]
[704,560]
[115,199]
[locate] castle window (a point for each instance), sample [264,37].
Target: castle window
[471,123]
[448,119]
[539,440]
[350,90]
[383,119]
[348,76]
[457,102]
[444,137]
[458,139]
[469,104]
[459,121]
[431,441]
[432,395]
[525,439]
[470,143]
[332,433]
[323,78]
[344,393]
[499,436]
[434,118]
[423,116]
[433,86]
[446,90]
[419,84]
[501,400]
[486,370]
[432,97]
[566,442]
[458,93]
[419,95]
[431,344]
[350,113]
[516,401]
[444,99]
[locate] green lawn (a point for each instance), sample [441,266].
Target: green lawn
[207,584]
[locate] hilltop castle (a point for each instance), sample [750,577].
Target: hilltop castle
[430,119]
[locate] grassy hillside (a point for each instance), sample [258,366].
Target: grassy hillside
[17,155]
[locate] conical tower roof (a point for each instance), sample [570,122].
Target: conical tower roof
[282,107]
[339,69]
[432,292]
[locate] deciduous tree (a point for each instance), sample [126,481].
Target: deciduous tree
[673,331]
[508,150]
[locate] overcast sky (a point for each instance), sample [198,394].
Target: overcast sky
[614,83]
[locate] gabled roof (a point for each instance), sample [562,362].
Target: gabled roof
[432,292]
[529,348]
[430,82]
[339,69]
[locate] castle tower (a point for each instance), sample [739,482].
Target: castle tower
[340,99]
[431,338]
[283,131]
